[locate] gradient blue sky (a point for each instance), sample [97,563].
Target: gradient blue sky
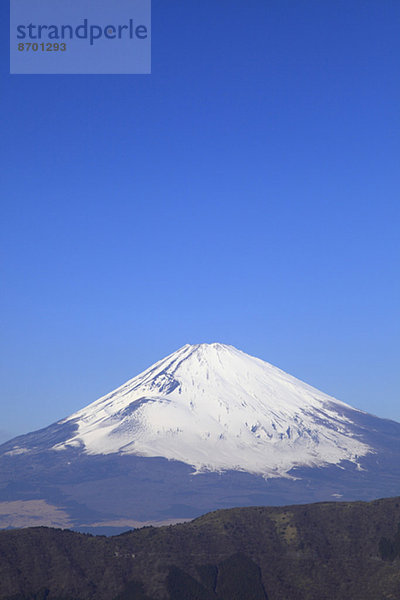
[246,192]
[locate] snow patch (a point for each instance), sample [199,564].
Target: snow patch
[16,451]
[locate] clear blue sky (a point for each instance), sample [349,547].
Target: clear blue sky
[246,192]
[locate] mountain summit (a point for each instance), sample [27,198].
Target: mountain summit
[216,408]
[207,427]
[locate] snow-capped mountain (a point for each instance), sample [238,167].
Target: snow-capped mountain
[216,408]
[207,427]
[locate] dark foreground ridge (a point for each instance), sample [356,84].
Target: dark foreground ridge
[326,551]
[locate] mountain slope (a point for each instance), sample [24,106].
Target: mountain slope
[207,427]
[216,408]
[308,552]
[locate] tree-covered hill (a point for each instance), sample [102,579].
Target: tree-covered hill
[327,551]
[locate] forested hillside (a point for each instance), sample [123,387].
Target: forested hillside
[331,551]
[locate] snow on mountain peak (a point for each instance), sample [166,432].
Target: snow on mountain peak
[217,408]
